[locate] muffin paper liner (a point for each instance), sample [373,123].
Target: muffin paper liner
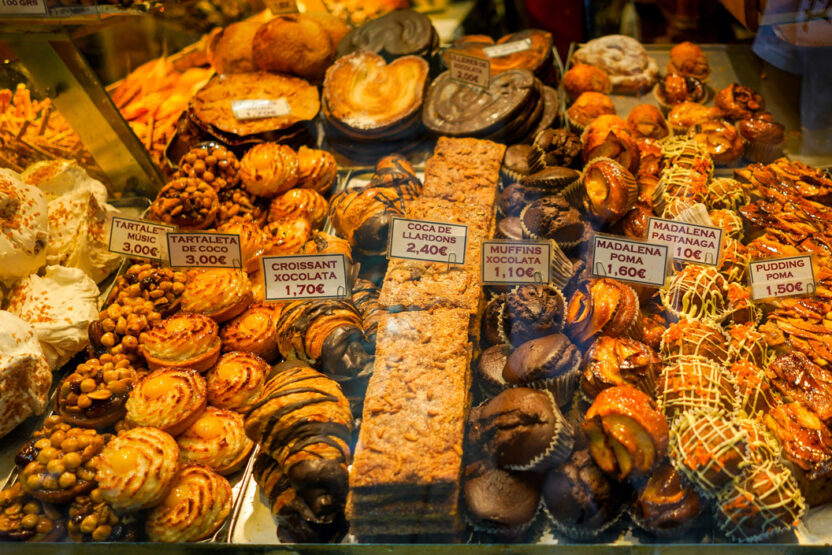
[666,533]
[559,449]
[696,214]
[574,126]
[510,176]
[561,387]
[663,106]
[582,534]
[561,266]
[537,158]
[762,153]
[574,193]
[499,531]
[659,200]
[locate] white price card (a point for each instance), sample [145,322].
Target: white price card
[469,70]
[278,7]
[516,262]
[781,277]
[205,250]
[259,108]
[313,276]
[499,50]
[695,243]
[629,260]
[138,238]
[428,241]
[16,7]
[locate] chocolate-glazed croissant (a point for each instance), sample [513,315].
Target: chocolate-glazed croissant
[303,421]
[365,297]
[363,216]
[295,520]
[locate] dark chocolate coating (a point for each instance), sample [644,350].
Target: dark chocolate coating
[515,197]
[489,371]
[516,158]
[500,499]
[549,356]
[515,426]
[561,147]
[579,495]
[395,34]
[552,217]
[343,354]
[458,110]
[533,311]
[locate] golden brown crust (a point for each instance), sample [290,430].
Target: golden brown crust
[252,240]
[647,121]
[584,77]
[722,140]
[608,136]
[317,169]
[287,236]
[299,203]
[269,169]
[236,381]
[611,190]
[212,104]
[627,433]
[362,92]
[687,114]
[184,340]
[589,106]
[293,44]
[170,399]
[689,60]
[137,469]
[197,505]
[220,293]
[231,52]
[217,440]
[253,331]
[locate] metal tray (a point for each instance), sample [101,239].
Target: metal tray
[736,63]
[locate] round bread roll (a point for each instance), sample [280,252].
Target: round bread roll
[232,49]
[293,44]
[333,25]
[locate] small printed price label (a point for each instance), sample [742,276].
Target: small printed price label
[138,238]
[469,70]
[314,276]
[516,262]
[428,241]
[781,277]
[500,50]
[22,6]
[205,250]
[629,260]
[278,7]
[260,108]
[695,243]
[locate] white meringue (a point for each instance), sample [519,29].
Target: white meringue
[24,228]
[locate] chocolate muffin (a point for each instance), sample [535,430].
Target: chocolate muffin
[559,147]
[579,498]
[532,311]
[522,429]
[489,370]
[552,217]
[514,198]
[518,162]
[500,502]
[665,506]
[551,179]
[551,361]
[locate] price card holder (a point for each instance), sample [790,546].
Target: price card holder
[22,7]
[427,241]
[469,70]
[259,108]
[781,277]
[514,262]
[628,260]
[139,238]
[205,250]
[278,7]
[699,244]
[313,276]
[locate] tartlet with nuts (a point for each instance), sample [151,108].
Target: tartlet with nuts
[91,519]
[56,464]
[186,202]
[214,164]
[94,395]
[24,518]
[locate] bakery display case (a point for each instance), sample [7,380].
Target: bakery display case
[341,277]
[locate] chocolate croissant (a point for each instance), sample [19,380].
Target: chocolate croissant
[365,297]
[303,422]
[363,216]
